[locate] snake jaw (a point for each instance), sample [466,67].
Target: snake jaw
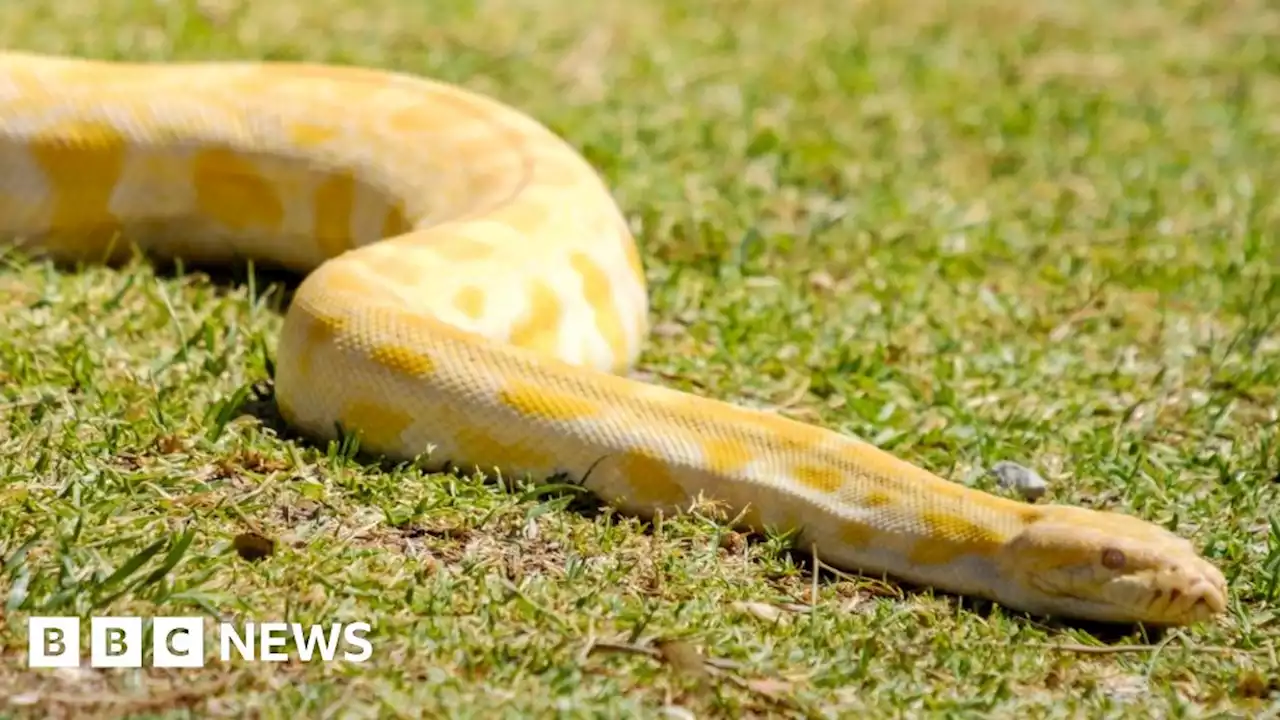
[1110,568]
[1181,591]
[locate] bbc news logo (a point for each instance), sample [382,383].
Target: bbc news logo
[179,642]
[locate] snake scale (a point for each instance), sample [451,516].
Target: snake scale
[472,288]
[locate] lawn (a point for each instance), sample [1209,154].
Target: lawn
[1001,230]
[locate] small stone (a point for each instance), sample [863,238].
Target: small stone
[1023,480]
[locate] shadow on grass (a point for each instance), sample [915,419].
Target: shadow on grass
[258,402]
[1103,632]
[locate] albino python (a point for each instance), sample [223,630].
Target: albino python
[474,291]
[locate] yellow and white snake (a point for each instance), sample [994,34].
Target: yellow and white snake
[474,291]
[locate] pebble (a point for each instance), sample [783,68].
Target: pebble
[1023,480]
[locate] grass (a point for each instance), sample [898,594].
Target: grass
[970,232]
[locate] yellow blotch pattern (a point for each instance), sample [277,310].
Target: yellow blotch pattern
[476,447]
[537,330]
[1030,514]
[394,268]
[650,482]
[952,537]
[418,118]
[856,534]
[542,402]
[309,134]
[726,455]
[378,426]
[876,498]
[461,249]
[470,302]
[342,277]
[822,479]
[334,202]
[82,161]
[402,360]
[521,216]
[230,189]
[599,294]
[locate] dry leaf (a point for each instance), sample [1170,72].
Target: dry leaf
[668,329]
[822,280]
[1253,684]
[762,611]
[772,687]
[252,546]
[683,657]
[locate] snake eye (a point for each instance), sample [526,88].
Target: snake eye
[1112,559]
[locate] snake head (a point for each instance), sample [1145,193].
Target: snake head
[1108,567]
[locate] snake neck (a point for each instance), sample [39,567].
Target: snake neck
[858,505]
[889,516]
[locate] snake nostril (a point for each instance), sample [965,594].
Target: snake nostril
[1174,594]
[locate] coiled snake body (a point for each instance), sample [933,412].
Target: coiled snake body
[473,290]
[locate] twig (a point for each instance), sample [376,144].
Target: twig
[517,592]
[719,668]
[183,696]
[17,404]
[780,700]
[817,568]
[1115,649]
[717,663]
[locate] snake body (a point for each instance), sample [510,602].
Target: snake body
[473,295]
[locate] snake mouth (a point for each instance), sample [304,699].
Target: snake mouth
[1131,600]
[1200,601]
[1110,568]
